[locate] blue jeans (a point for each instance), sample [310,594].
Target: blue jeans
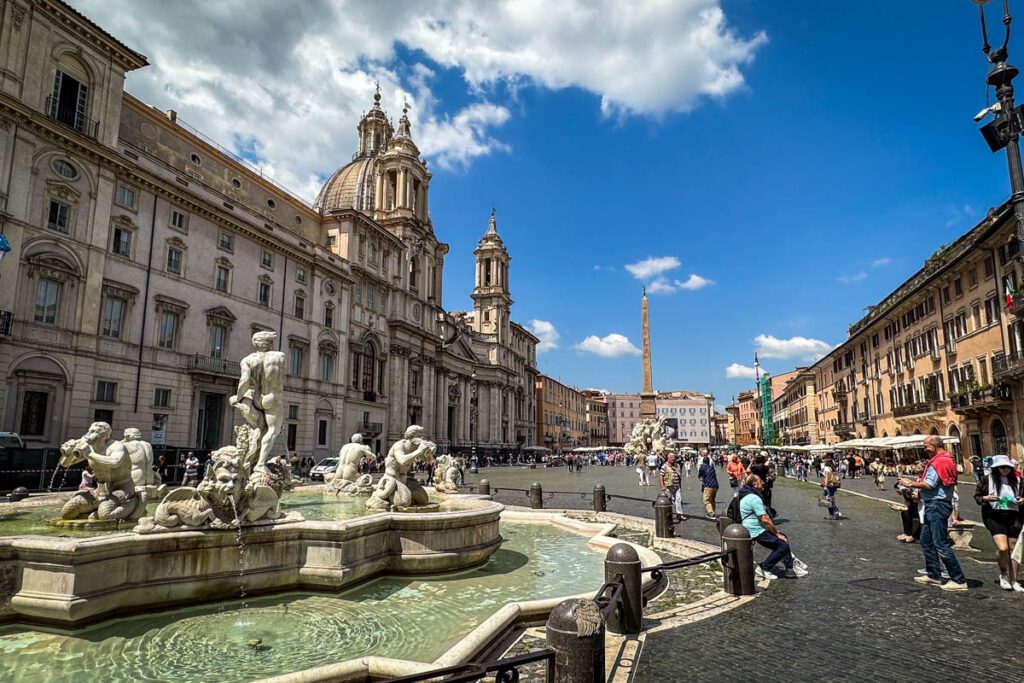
[779,551]
[831,492]
[935,541]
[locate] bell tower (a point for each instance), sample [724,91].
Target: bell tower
[492,301]
[374,129]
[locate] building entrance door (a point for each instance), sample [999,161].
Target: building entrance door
[211,415]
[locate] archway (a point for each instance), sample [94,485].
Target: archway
[999,441]
[35,404]
[956,448]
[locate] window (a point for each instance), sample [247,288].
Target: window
[991,310]
[300,306]
[161,398]
[264,295]
[362,248]
[168,331]
[174,258]
[122,245]
[960,324]
[300,275]
[328,316]
[69,101]
[373,253]
[414,273]
[65,169]
[126,196]
[321,433]
[218,336]
[972,277]
[384,261]
[414,382]
[958,288]
[267,259]
[369,365]
[194,158]
[326,366]
[295,361]
[332,241]
[945,295]
[293,411]
[179,220]
[59,216]
[47,301]
[271,203]
[226,242]
[990,267]
[106,392]
[236,183]
[371,292]
[103,415]
[292,437]
[223,279]
[113,317]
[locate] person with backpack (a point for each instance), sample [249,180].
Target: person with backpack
[735,470]
[830,483]
[748,509]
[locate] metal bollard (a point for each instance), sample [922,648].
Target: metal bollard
[473,469]
[663,526]
[536,496]
[739,564]
[483,487]
[622,559]
[575,632]
[600,499]
[723,524]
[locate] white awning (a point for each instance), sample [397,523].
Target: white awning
[886,443]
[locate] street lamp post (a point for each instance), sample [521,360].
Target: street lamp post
[473,423]
[1006,127]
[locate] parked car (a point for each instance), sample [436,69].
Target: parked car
[554,461]
[323,467]
[11,440]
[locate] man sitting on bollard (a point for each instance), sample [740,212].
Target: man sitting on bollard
[754,516]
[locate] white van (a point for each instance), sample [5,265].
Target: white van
[11,440]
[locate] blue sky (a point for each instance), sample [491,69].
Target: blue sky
[803,192]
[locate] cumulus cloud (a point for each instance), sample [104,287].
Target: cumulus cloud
[612,346]
[737,371]
[695,282]
[662,285]
[850,279]
[652,266]
[883,261]
[283,84]
[794,347]
[547,334]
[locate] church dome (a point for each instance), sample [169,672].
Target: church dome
[351,187]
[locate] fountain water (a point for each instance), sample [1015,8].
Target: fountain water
[241,552]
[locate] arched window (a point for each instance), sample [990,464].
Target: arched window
[414,273]
[999,441]
[369,365]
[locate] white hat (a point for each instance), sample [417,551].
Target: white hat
[1002,461]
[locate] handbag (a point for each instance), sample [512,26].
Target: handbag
[826,502]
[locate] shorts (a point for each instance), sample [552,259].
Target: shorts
[1002,522]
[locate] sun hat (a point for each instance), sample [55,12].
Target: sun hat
[1001,461]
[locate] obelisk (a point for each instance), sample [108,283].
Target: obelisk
[647,396]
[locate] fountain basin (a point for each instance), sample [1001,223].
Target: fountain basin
[70,582]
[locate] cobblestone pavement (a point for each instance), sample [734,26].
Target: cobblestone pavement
[858,617]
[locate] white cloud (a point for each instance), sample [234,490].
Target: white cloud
[612,346]
[879,262]
[604,268]
[547,334]
[737,371]
[652,266]
[850,279]
[695,282]
[661,285]
[794,347]
[283,84]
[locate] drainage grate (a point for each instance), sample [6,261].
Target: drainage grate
[887,586]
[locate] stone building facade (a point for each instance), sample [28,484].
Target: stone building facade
[688,415]
[794,409]
[144,257]
[748,412]
[623,414]
[561,415]
[596,407]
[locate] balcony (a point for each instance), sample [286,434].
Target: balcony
[369,428]
[913,410]
[5,323]
[1008,366]
[844,429]
[71,118]
[212,366]
[981,401]
[370,396]
[1018,306]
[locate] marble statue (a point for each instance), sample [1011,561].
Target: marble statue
[648,436]
[145,478]
[346,479]
[231,493]
[446,474]
[396,489]
[259,397]
[115,497]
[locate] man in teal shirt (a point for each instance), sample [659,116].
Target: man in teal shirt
[755,518]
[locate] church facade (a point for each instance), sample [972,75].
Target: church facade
[143,257]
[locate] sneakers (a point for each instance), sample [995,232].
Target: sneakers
[943,573]
[928,581]
[1005,584]
[762,574]
[797,572]
[954,587]
[1017,588]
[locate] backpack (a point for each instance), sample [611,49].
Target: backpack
[733,511]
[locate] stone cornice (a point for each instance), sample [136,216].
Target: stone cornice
[85,30]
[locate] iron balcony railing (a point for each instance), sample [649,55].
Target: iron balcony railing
[6,318]
[212,366]
[918,408]
[71,117]
[982,397]
[370,427]
[1007,365]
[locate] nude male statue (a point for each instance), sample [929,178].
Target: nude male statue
[348,462]
[394,490]
[115,497]
[260,393]
[141,454]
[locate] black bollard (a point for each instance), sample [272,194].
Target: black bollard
[600,499]
[473,469]
[663,527]
[575,631]
[536,496]
[723,524]
[483,487]
[623,560]
[739,564]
